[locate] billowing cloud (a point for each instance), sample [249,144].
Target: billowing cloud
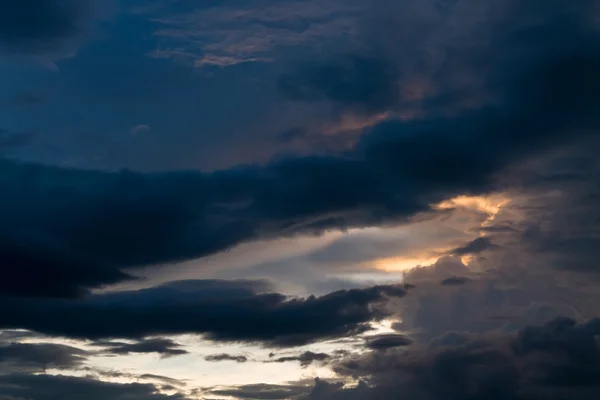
[560,359]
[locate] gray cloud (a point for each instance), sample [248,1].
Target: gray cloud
[388,341]
[476,246]
[226,357]
[49,387]
[305,359]
[560,359]
[37,357]
[164,347]
[262,391]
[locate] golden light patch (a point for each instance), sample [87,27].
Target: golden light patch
[401,264]
[490,205]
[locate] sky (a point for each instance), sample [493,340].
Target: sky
[299,199]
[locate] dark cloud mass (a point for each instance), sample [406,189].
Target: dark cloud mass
[34,268]
[366,84]
[455,280]
[510,103]
[47,27]
[37,357]
[261,391]
[221,310]
[388,341]
[126,219]
[49,387]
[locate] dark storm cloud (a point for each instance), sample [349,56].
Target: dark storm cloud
[164,347]
[547,86]
[37,357]
[222,310]
[388,341]
[50,387]
[31,267]
[305,359]
[560,360]
[226,357]
[46,26]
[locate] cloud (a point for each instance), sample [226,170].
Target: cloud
[455,280]
[506,293]
[365,84]
[306,358]
[164,347]
[221,310]
[476,246]
[388,341]
[396,170]
[226,357]
[50,387]
[261,391]
[560,359]
[37,357]
[225,34]
[163,379]
[33,267]
[47,27]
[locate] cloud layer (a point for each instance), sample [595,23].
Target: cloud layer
[221,310]
[127,219]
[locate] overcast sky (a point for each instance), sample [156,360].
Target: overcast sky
[299,199]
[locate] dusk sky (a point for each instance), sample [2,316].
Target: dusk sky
[299,199]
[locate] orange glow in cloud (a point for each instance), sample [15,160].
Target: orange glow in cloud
[491,205]
[402,263]
[488,205]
